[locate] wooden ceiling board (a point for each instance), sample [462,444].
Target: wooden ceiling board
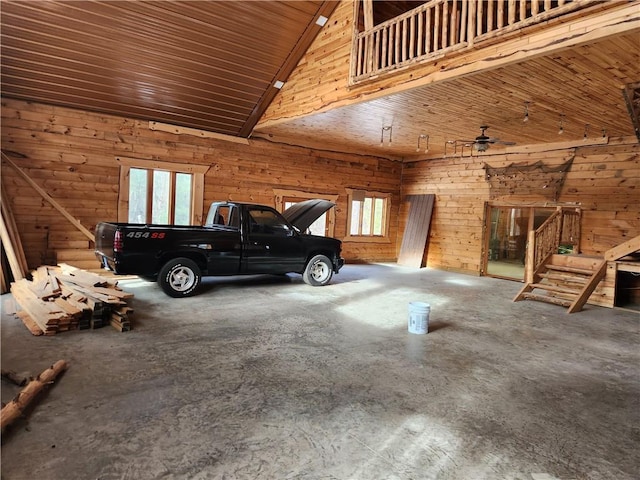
[205,65]
[131,47]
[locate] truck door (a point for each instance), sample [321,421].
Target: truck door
[225,247]
[271,245]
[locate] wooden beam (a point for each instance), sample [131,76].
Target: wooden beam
[588,289]
[177,130]
[622,250]
[546,147]
[49,199]
[14,409]
[14,263]
[14,236]
[368,14]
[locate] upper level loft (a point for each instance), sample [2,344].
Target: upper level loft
[392,36]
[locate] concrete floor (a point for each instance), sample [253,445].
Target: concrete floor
[268,378]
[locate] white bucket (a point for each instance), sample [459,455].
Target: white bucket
[419,317]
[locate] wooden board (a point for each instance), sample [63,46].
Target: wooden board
[417,230]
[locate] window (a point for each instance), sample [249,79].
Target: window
[368,215]
[159,197]
[224,215]
[324,225]
[160,192]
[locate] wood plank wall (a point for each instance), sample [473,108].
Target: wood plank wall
[72,155]
[604,180]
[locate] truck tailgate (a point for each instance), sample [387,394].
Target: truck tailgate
[105,233]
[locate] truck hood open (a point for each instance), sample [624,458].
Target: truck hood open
[301,215]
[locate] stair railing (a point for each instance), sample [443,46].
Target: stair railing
[562,227]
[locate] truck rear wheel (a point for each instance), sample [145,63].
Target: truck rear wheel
[179,277]
[318,271]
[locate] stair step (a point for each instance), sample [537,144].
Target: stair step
[564,277]
[560,268]
[586,262]
[556,288]
[544,298]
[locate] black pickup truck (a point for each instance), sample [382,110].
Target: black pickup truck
[237,239]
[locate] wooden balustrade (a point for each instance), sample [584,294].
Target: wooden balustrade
[442,26]
[561,228]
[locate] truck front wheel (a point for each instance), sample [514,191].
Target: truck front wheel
[179,277]
[318,271]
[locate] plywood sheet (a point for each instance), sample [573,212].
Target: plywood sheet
[416,232]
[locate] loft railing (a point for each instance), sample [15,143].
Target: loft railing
[442,26]
[561,228]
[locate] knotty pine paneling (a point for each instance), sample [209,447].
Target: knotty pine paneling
[72,154]
[604,180]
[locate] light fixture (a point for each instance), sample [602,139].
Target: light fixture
[389,129]
[447,143]
[469,146]
[278,84]
[561,129]
[482,146]
[322,20]
[526,112]
[586,130]
[421,137]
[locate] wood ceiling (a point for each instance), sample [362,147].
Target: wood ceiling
[212,66]
[200,64]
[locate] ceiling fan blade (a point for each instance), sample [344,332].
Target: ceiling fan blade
[501,142]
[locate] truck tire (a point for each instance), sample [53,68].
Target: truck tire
[318,271]
[179,277]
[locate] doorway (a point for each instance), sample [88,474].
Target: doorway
[506,247]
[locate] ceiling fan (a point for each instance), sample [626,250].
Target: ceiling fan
[482,141]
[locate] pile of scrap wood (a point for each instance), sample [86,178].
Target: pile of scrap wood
[61,298]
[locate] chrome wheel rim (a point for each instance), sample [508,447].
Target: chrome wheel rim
[182,279]
[319,271]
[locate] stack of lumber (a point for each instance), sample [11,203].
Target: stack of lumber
[61,298]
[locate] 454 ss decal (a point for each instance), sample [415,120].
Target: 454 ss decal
[141,234]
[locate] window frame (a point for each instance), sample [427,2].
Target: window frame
[352,194]
[197,193]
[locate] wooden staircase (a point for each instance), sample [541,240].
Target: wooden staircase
[566,280]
